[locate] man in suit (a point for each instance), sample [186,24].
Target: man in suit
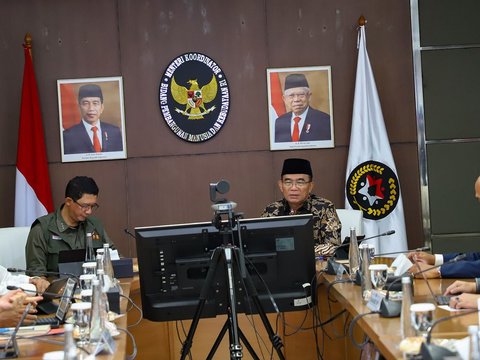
[302,123]
[91,134]
[467,268]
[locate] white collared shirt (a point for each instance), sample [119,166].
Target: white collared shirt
[89,130]
[302,117]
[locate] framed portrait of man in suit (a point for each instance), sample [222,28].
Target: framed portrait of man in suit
[300,108]
[92,119]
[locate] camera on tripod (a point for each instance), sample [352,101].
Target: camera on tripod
[223,207]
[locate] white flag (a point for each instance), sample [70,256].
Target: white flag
[371,180]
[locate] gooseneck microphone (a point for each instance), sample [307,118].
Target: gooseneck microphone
[40,272]
[423,248]
[389,308]
[333,266]
[54,295]
[431,351]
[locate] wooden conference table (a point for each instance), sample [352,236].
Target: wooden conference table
[385,332]
[35,348]
[160,340]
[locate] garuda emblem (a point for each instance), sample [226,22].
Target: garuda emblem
[195,98]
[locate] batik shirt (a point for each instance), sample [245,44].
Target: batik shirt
[326,224]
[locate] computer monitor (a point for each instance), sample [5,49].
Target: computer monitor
[173,262]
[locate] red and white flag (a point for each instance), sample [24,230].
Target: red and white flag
[33,195]
[371,179]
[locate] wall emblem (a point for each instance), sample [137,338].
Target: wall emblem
[194,97]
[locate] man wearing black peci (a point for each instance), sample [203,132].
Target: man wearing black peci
[296,185]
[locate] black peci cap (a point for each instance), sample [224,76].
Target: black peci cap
[295,81]
[90,90]
[297,166]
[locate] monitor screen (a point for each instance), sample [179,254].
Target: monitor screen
[174,260]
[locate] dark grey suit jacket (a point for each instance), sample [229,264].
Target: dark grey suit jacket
[316,127]
[77,141]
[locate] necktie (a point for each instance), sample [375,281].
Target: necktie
[96,143]
[296,130]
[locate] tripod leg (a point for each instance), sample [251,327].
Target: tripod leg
[218,340]
[274,338]
[247,345]
[187,345]
[235,346]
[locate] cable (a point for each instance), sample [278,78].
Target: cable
[136,307]
[133,355]
[352,324]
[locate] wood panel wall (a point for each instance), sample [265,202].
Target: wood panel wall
[165,180]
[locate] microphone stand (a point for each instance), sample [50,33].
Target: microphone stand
[40,272]
[11,351]
[389,308]
[430,351]
[333,267]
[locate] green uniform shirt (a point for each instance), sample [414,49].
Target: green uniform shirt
[50,234]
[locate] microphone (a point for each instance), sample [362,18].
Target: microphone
[432,351]
[127,231]
[389,308]
[41,293]
[423,248]
[41,272]
[11,351]
[333,266]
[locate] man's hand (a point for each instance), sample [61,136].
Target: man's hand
[459,287]
[464,301]
[422,257]
[40,283]
[12,306]
[432,273]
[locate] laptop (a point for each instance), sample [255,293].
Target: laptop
[438,299]
[71,261]
[63,306]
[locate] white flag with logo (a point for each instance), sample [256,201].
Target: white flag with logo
[371,179]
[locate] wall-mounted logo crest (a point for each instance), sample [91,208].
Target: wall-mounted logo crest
[194,97]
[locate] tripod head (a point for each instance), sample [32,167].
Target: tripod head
[224,217]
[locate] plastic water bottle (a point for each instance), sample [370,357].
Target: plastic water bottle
[107,266]
[89,251]
[474,352]
[70,351]
[407,300]
[97,318]
[353,254]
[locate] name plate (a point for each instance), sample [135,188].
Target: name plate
[376,298]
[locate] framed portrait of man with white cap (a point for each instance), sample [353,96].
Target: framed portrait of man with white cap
[92,122]
[300,108]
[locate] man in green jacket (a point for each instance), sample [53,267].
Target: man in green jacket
[66,228]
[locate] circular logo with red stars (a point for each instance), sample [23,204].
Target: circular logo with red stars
[373,188]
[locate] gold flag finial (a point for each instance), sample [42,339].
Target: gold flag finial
[362,21]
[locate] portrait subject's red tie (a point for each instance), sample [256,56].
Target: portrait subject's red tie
[296,130]
[96,142]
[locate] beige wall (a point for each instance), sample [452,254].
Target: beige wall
[165,180]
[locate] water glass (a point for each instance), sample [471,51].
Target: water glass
[81,316]
[422,317]
[86,295]
[89,268]
[378,274]
[86,281]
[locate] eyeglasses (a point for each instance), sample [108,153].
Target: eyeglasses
[86,207]
[299,183]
